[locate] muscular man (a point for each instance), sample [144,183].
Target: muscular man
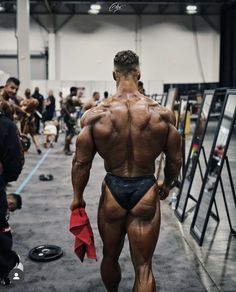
[129,131]
[39,108]
[9,94]
[70,118]
[28,126]
[10,89]
[94,101]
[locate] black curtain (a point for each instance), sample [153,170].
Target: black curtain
[228,46]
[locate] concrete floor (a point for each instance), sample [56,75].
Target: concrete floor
[179,264]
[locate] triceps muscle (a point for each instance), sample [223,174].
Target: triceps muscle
[82,161]
[173,155]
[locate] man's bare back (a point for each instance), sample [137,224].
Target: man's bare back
[129,131]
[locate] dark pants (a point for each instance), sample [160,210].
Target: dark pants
[70,132]
[37,123]
[8,258]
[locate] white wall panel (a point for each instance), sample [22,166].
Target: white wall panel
[86,45]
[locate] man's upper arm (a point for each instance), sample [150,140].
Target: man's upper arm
[85,147]
[173,153]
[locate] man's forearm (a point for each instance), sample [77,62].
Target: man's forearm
[80,177]
[171,171]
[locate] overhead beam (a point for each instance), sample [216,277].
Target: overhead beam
[63,23]
[210,23]
[36,18]
[48,6]
[139,8]
[163,8]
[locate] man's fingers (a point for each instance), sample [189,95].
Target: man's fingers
[77,204]
[163,194]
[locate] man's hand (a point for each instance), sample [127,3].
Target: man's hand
[77,204]
[163,191]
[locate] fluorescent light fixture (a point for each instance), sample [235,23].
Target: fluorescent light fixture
[191,9]
[92,11]
[95,6]
[2,8]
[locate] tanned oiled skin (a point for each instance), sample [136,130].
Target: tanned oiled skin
[129,131]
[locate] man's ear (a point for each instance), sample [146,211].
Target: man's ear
[114,75]
[139,75]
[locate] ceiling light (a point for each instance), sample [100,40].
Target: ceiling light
[191,9]
[95,6]
[93,11]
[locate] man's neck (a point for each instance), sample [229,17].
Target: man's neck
[126,85]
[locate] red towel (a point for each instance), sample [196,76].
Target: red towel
[81,228]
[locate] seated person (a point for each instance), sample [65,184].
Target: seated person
[50,133]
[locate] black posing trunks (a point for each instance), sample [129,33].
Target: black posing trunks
[129,190]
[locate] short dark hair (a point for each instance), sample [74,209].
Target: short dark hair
[27,93]
[105,94]
[73,90]
[18,199]
[95,93]
[13,80]
[126,62]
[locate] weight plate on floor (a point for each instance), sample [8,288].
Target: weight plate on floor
[45,253]
[45,177]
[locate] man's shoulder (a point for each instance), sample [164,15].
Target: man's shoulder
[93,115]
[167,115]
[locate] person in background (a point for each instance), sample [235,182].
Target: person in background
[29,105]
[105,95]
[141,88]
[39,109]
[94,101]
[50,106]
[50,133]
[11,164]
[70,118]
[14,202]
[9,94]
[61,98]
[9,91]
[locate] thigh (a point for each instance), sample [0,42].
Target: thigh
[111,223]
[143,226]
